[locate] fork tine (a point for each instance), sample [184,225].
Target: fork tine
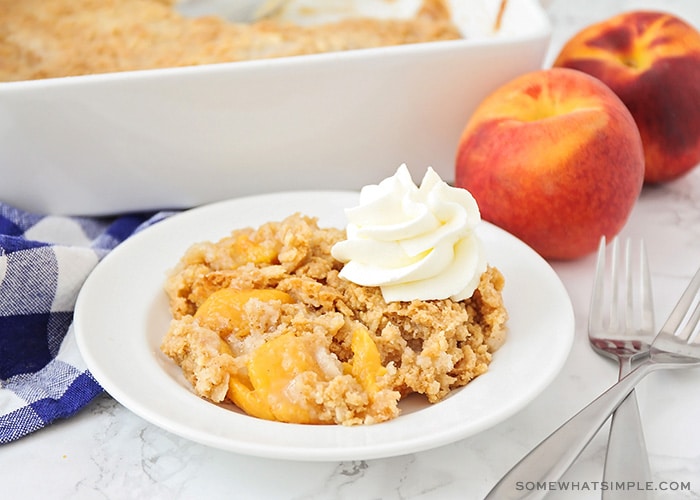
[595,318]
[675,321]
[647,300]
[690,331]
[640,318]
[615,280]
[630,288]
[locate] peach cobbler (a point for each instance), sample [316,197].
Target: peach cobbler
[56,38]
[262,319]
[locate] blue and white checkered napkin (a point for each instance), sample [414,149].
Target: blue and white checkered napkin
[44,261]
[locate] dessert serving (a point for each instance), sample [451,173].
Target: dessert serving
[303,324]
[56,38]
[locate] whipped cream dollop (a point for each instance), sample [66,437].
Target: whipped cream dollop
[416,243]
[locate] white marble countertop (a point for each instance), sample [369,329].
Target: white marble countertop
[107,452]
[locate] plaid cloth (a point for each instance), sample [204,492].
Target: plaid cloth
[44,261]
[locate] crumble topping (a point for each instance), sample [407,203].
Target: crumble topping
[300,344]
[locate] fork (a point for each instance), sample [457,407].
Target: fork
[675,346]
[623,331]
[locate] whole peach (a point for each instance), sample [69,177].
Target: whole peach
[553,157]
[651,60]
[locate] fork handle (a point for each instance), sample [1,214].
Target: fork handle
[626,458]
[553,456]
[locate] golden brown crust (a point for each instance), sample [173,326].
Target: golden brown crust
[55,38]
[429,347]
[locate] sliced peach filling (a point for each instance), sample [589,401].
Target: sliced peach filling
[244,250]
[224,310]
[278,367]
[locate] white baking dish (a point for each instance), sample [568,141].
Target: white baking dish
[177,138]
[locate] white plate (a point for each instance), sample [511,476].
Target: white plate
[122,314]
